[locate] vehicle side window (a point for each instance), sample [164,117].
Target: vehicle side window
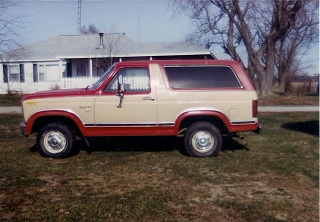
[201,77]
[135,80]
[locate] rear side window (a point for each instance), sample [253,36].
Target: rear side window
[201,77]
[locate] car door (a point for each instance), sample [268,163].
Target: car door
[128,104]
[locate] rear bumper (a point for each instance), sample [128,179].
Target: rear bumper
[259,129]
[23,128]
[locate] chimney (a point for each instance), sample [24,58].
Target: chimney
[101,46]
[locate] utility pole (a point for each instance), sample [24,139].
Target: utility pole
[79,17]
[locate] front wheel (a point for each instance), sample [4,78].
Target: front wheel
[202,139]
[55,140]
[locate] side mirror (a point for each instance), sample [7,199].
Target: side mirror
[120,88]
[120,94]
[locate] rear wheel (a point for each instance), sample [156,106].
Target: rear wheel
[202,139]
[55,140]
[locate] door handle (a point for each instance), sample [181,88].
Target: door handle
[148,98]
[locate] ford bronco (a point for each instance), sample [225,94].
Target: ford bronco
[200,100]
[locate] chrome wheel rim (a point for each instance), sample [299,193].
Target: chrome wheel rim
[54,142]
[203,141]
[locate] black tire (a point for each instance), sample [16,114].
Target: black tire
[55,140]
[202,139]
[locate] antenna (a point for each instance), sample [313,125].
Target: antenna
[79,17]
[139,33]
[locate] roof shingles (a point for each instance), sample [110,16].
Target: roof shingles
[87,46]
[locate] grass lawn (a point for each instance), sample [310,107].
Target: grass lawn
[272,176]
[283,100]
[10,100]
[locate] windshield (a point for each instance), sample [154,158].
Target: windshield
[102,78]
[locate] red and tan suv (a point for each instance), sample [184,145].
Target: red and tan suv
[198,99]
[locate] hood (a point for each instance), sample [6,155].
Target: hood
[58,93]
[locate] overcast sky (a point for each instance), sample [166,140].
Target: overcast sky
[142,20]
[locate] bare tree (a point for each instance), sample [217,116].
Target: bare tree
[107,51]
[297,43]
[91,29]
[10,38]
[256,26]
[111,46]
[10,24]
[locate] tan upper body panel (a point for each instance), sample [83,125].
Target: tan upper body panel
[236,104]
[82,107]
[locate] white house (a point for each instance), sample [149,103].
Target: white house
[69,61]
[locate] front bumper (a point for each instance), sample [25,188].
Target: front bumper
[23,128]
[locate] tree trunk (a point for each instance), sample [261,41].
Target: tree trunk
[282,83]
[266,86]
[267,73]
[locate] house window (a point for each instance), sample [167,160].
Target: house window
[81,70]
[14,73]
[48,73]
[5,73]
[69,69]
[21,67]
[35,73]
[42,73]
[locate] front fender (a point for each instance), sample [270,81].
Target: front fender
[53,113]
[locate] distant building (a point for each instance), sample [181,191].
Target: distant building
[303,84]
[69,61]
